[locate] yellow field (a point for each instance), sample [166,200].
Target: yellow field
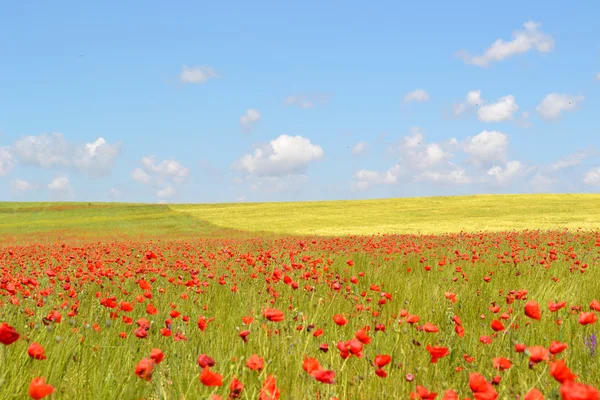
[411,215]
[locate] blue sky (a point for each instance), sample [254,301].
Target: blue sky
[272,101]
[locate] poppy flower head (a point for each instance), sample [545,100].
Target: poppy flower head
[38,389]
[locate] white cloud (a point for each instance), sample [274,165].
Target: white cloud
[473,99]
[197,75]
[455,176]
[21,185]
[542,183]
[161,175]
[570,160]
[96,158]
[554,104]
[61,184]
[53,150]
[487,147]
[282,156]
[140,175]
[522,41]
[418,95]
[507,172]
[6,161]
[501,110]
[165,169]
[305,101]
[166,192]
[250,117]
[44,151]
[359,148]
[592,177]
[366,179]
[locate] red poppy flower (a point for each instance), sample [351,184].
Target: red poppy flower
[209,378]
[235,389]
[38,389]
[340,320]
[482,389]
[554,307]
[36,351]
[255,363]
[557,347]
[497,325]
[273,314]
[537,354]
[157,355]
[532,310]
[310,364]
[382,360]
[323,376]
[8,335]
[578,391]
[534,394]
[501,363]
[430,328]
[587,318]
[205,361]
[269,389]
[561,372]
[437,353]
[450,395]
[422,394]
[362,336]
[145,368]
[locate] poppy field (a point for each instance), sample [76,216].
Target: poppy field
[227,315]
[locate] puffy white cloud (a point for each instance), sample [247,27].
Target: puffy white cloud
[592,177]
[6,161]
[305,101]
[166,192]
[165,169]
[554,104]
[140,175]
[53,150]
[161,175]
[250,117]
[366,179]
[196,75]
[522,41]
[501,110]
[60,184]
[507,172]
[487,147]
[96,158]
[418,95]
[284,155]
[21,185]
[44,151]
[359,148]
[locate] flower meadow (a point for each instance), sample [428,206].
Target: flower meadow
[507,315]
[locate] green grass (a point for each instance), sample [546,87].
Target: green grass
[428,215]
[60,221]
